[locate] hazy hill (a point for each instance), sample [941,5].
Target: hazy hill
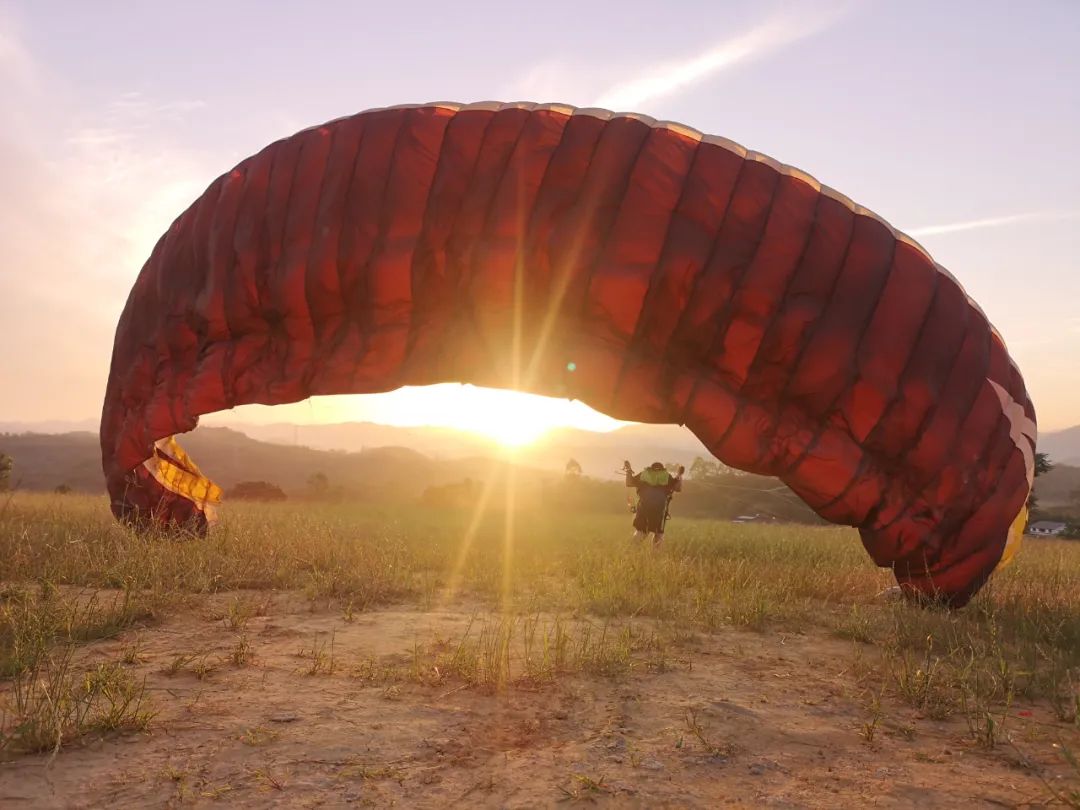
[51,426]
[369,460]
[399,474]
[1056,488]
[356,456]
[355,437]
[599,454]
[43,462]
[1063,446]
[47,460]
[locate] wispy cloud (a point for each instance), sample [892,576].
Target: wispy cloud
[607,83]
[769,36]
[995,222]
[87,191]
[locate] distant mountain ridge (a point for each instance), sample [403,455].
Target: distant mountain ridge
[46,461]
[1063,446]
[599,454]
[400,474]
[51,426]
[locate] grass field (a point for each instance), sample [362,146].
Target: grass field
[548,657]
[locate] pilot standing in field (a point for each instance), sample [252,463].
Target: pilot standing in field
[655,486]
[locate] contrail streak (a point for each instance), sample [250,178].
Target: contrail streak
[664,79]
[994,222]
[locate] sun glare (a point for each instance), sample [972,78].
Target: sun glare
[511,418]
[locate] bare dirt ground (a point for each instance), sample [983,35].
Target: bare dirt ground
[783,720]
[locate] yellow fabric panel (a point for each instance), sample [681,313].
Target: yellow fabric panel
[1015,538]
[190,482]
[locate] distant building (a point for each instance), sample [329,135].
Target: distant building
[759,518]
[1046,528]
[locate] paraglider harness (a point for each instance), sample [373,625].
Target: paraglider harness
[631,500]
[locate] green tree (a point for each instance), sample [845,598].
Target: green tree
[1043,465]
[5,471]
[573,469]
[703,469]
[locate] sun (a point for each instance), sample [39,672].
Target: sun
[509,430]
[511,418]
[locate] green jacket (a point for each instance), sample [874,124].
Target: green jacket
[654,478]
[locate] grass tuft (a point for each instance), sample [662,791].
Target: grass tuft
[52,704]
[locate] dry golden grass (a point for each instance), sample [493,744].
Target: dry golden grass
[71,574]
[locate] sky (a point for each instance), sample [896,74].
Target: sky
[957,122]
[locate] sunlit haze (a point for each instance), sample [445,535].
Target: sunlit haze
[512,418]
[957,122]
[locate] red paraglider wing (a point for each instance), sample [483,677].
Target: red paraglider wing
[654,273]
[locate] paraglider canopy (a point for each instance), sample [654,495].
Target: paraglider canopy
[653,272]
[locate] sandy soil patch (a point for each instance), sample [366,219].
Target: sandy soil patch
[333,710]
